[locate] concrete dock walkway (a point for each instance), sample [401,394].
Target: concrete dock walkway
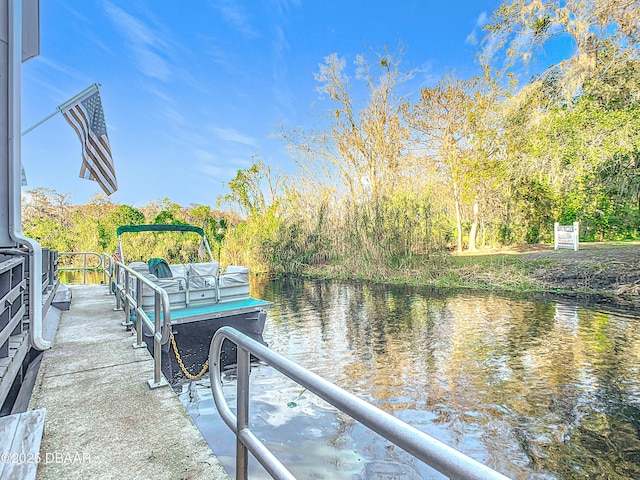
[102,419]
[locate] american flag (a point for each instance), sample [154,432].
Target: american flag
[87,119]
[201,250]
[117,255]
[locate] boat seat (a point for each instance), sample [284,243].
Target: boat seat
[170,285]
[140,267]
[179,270]
[234,275]
[203,275]
[160,268]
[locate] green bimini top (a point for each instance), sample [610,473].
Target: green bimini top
[161,227]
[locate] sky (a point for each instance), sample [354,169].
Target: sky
[193,91]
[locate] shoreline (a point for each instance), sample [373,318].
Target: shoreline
[606,274]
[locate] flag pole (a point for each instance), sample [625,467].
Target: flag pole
[39,123]
[62,107]
[78,96]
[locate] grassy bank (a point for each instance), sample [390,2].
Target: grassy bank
[596,269]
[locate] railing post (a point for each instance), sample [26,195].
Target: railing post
[50,268]
[139,342]
[84,268]
[44,280]
[446,459]
[158,379]
[242,398]
[132,297]
[55,259]
[127,307]
[116,291]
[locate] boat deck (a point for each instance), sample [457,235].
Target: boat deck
[216,310]
[102,419]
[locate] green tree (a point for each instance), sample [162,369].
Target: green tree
[248,190]
[126,215]
[170,213]
[453,123]
[520,29]
[260,195]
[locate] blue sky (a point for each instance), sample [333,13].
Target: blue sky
[192,90]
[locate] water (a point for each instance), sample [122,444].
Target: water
[535,389]
[77,277]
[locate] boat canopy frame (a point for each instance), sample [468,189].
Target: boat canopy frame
[161,227]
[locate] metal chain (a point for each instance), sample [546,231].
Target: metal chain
[199,375]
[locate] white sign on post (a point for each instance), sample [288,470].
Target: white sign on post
[566,236]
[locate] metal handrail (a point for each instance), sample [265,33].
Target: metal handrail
[433,452]
[84,268]
[108,267]
[11,291]
[161,325]
[15,297]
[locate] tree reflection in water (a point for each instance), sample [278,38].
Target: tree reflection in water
[533,388]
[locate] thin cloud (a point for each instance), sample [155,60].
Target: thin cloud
[426,75]
[204,155]
[234,15]
[221,173]
[147,45]
[481,21]
[471,38]
[60,67]
[41,74]
[283,96]
[231,135]
[162,96]
[217,54]
[213,171]
[285,101]
[280,43]
[88,32]
[186,137]
[174,115]
[284,6]
[76,14]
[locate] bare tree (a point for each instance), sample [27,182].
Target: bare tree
[46,203]
[364,147]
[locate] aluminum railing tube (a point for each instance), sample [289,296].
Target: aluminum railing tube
[245,439]
[116,287]
[157,337]
[433,452]
[85,267]
[164,297]
[161,325]
[242,409]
